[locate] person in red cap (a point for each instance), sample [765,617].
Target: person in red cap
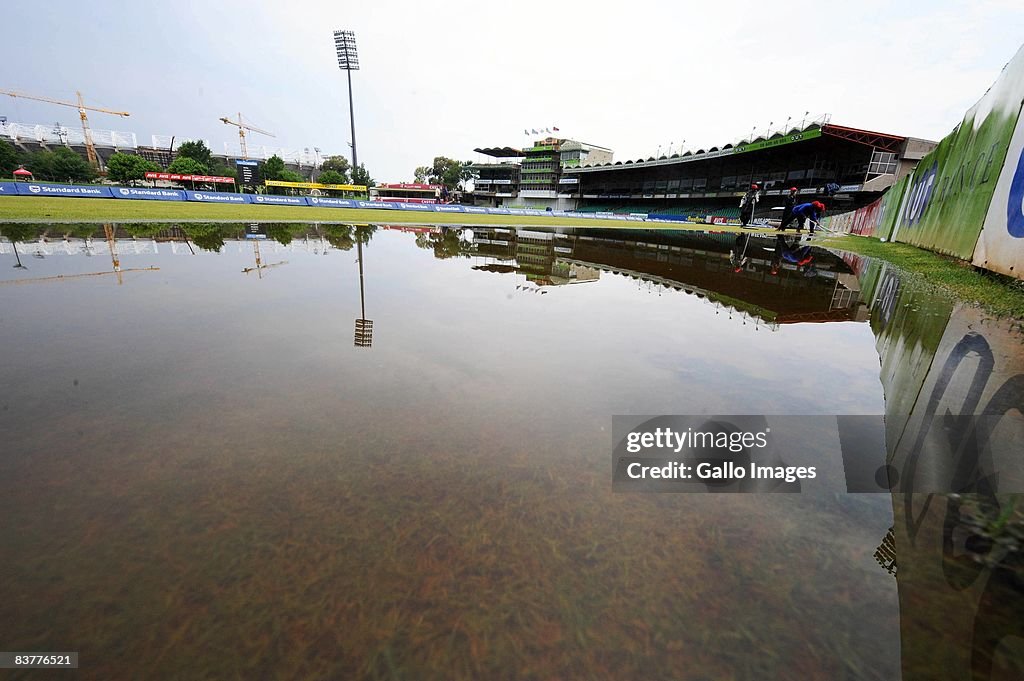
[802,213]
[748,203]
[790,201]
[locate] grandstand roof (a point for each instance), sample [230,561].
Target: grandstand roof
[500,152]
[879,140]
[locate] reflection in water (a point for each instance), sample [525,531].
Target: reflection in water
[773,281]
[201,483]
[364,326]
[256,233]
[25,233]
[960,564]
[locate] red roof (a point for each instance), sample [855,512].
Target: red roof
[879,140]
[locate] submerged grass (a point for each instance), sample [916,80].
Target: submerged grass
[425,567]
[999,295]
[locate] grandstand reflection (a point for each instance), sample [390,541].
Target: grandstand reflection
[769,280]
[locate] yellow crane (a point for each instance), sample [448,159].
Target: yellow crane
[242,127]
[90,148]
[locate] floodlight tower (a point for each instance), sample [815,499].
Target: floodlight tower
[348,61]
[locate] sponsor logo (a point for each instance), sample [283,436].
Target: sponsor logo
[920,195]
[35,188]
[200,197]
[124,192]
[259,199]
[313,199]
[1015,203]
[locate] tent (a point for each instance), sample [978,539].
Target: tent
[22,174]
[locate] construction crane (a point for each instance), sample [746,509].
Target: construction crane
[242,127]
[90,148]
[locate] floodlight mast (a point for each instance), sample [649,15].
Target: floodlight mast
[348,61]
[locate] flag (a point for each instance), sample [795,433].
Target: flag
[526,132]
[534,132]
[547,129]
[555,129]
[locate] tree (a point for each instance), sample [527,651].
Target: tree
[332,177]
[67,165]
[196,150]
[448,244]
[365,232]
[41,165]
[421,174]
[8,159]
[186,165]
[340,236]
[337,164]
[204,234]
[273,168]
[447,171]
[361,176]
[224,171]
[280,232]
[290,176]
[19,231]
[127,168]
[145,229]
[81,230]
[468,172]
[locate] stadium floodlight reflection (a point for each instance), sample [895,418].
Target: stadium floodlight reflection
[364,327]
[364,333]
[348,61]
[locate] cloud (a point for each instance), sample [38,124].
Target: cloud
[443,79]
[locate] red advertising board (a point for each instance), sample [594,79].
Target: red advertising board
[178,177]
[393,199]
[865,220]
[409,185]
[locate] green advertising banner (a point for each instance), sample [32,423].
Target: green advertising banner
[952,187]
[777,141]
[906,340]
[891,203]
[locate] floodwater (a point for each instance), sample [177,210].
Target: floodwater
[346,452]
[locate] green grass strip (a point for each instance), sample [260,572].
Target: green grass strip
[38,209]
[999,295]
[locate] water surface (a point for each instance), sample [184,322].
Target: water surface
[210,469]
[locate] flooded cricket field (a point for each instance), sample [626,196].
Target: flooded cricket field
[279,451]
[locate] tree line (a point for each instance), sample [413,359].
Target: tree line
[209,236]
[192,158]
[447,172]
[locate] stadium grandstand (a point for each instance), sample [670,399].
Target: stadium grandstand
[533,177]
[498,180]
[33,137]
[709,182]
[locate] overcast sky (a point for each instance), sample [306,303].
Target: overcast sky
[443,78]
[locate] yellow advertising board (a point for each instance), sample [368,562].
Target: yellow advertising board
[317,185]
